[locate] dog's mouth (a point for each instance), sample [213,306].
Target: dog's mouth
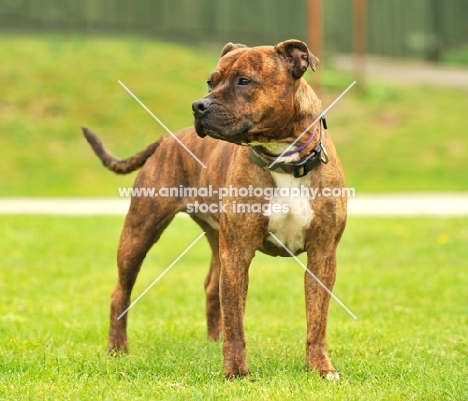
[239,136]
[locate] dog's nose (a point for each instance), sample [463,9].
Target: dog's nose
[201,106]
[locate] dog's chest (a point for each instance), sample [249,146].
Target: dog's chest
[290,226]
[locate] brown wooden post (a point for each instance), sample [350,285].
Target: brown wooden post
[314,38]
[360,41]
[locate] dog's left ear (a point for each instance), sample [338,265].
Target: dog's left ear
[298,54]
[229,47]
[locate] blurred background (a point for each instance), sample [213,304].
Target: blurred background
[431,29]
[402,128]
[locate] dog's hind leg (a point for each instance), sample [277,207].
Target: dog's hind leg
[213,308]
[145,222]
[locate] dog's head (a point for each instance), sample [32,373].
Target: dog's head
[251,92]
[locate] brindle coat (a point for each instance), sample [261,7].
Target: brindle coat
[257,96]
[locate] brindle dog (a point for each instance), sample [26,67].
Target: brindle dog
[257,97]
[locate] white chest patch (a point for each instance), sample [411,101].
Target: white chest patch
[289,227]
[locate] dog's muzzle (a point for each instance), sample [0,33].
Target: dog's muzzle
[200,108]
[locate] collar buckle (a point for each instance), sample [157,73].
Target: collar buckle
[305,165]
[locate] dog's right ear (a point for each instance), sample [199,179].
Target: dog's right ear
[230,47]
[298,56]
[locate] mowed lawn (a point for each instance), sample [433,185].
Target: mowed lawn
[390,138]
[405,279]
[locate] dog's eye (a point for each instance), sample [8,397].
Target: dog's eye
[210,85]
[244,82]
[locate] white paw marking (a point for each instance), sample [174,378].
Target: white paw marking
[332,376]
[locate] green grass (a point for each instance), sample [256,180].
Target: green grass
[404,278]
[457,56]
[389,138]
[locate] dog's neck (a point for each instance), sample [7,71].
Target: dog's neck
[307,109]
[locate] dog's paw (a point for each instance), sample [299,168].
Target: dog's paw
[215,335]
[116,350]
[331,375]
[236,371]
[236,374]
[235,359]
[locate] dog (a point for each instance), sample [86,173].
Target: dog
[245,130]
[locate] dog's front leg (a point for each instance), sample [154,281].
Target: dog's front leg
[321,261]
[237,248]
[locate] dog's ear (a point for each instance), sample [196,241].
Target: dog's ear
[230,47]
[298,55]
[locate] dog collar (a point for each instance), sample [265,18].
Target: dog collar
[299,168]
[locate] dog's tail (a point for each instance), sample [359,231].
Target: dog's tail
[115,164]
